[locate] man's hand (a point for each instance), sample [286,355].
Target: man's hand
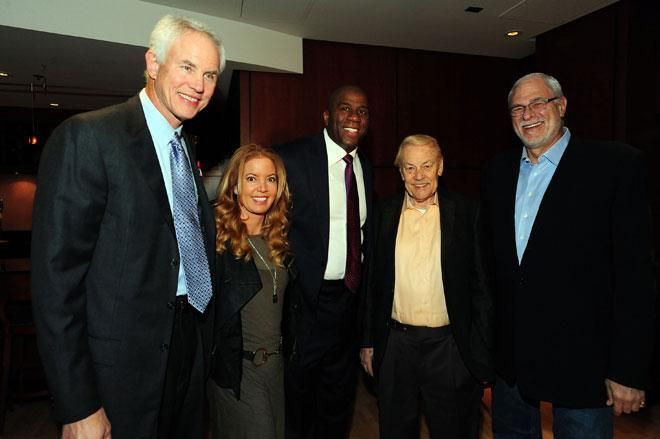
[624,399]
[366,357]
[94,426]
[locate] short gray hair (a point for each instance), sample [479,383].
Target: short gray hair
[416,140]
[550,81]
[170,28]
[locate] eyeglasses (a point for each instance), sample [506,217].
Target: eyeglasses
[536,106]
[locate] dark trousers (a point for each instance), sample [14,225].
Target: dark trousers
[422,371]
[320,377]
[182,407]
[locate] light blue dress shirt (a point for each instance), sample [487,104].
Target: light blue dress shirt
[161,134]
[533,180]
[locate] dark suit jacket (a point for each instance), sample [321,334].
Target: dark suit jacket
[466,290]
[579,308]
[239,283]
[306,164]
[104,268]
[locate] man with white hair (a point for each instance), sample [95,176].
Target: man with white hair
[123,239]
[570,232]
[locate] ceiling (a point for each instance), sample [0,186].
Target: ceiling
[83,73]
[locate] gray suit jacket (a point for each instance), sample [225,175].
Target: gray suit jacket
[104,268]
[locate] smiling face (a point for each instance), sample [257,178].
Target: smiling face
[538,130]
[257,191]
[421,165]
[182,85]
[347,119]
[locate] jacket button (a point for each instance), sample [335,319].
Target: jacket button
[174,262]
[170,305]
[164,347]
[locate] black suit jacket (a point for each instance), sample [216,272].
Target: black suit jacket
[466,290]
[239,282]
[306,164]
[105,263]
[579,307]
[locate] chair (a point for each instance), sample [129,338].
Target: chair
[18,341]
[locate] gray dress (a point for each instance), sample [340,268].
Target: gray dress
[259,414]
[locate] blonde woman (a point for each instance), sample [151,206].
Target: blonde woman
[246,392]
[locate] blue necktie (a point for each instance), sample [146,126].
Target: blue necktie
[188,231]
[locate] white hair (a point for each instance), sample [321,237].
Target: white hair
[169,28]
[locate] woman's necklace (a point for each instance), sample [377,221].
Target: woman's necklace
[273,273]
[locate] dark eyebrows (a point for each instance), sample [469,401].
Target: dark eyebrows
[348,104]
[194,66]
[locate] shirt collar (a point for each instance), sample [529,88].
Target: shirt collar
[408,203]
[335,152]
[160,129]
[556,151]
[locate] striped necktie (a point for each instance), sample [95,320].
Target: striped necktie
[353,253]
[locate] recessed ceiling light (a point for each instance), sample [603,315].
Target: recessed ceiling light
[513,33]
[474,9]
[4,74]
[54,104]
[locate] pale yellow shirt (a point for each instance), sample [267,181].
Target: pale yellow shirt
[419,295]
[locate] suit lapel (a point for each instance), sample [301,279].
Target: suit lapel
[447,222]
[390,222]
[141,148]
[368,179]
[555,195]
[508,178]
[206,216]
[317,164]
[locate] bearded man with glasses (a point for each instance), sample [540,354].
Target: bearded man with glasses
[569,233]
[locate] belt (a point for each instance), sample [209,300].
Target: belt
[398,326]
[259,357]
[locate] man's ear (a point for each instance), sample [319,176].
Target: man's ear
[151,63]
[563,103]
[326,116]
[441,166]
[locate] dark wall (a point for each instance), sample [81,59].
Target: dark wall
[609,66]
[16,155]
[607,62]
[410,91]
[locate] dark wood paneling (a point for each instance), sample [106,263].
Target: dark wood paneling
[329,65]
[276,107]
[582,55]
[461,101]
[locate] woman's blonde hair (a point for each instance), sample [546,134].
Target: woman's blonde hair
[230,230]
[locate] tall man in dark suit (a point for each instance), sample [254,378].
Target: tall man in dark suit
[569,227]
[428,331]
[330,184]
[122,239]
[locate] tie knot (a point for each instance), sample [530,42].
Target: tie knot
[348,159]
[177,146]
[176,140]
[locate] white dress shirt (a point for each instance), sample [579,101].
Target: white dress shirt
[337,198]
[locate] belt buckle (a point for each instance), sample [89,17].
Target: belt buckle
[260,357]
